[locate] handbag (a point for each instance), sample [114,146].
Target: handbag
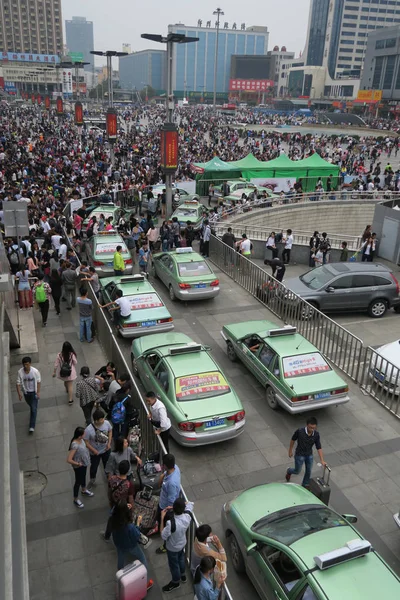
[65,369]
[100,437]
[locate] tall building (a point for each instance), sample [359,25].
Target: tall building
[31,26]
[382,63]
[79,34]
[193,64]
[147,67]
[338,32]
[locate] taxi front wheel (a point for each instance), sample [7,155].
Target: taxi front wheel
[236,554]
[172,293]
[230,350]
[271,398]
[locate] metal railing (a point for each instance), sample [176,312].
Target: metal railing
[381,379]
[151,443]
[340,346]
[257,232]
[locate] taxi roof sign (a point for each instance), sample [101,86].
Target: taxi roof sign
[286,330]
[184,250]
[132,278]
[353,549]
[185,349]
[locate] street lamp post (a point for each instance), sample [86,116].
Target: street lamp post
[219,14]
[169,129]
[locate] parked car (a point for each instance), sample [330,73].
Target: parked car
[338,287]
[293,547]
[148,312]
[186,274]
[295,375]
[384,367]
[190,210]
[108,210]
[200,402]
[100,250]
[158,189]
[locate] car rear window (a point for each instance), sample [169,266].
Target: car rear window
[316,278]
[194,269]
[109,248]
[304,364]
[187,212]
[200,386]
[293,524]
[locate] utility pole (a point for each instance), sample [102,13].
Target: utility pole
[219,13]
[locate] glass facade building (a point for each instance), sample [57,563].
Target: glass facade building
[382,63]
[317,32]
[139,69]
[79,38]
[193,64]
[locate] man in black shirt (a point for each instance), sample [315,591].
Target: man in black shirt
[306,437]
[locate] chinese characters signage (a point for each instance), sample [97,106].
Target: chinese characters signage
[169,148]
[369,95]
[51,59]
[111,124]
[250,85]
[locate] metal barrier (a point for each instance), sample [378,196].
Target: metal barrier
[340,346]
[14,583]
[257,232]
[381,379]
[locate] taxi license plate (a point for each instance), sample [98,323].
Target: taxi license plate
[322,395]
[200,285]
[379,376]
[110,264]
[149,323]
[214,423]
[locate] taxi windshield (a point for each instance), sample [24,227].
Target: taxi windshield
[317,278]
[289,525]
[194,269]
[200,386]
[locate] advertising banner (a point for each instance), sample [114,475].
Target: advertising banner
[304,364]
[142,301]
[109,248]
[275,184]
[34,58]
[202,383]
[250,85]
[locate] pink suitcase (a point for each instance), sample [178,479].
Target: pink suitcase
[132,582]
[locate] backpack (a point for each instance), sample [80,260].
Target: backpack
[40,294]
[324,245]
[119,491]
[14,256]
[118,412]
[65,369]
[130,243]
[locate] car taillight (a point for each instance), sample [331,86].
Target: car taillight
[97,263]
[127,325]
[188,426]
[237,417]
[341,391]
[397,283]
[165,320]
[128,261]
[301,398]
[185,286]
[214,283]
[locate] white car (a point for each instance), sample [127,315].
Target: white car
[385,367]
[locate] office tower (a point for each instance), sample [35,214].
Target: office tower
[338,32]
[79,34]
[193,64]
[144,68]
[31,26]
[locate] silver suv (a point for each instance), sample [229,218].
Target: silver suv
[337,287]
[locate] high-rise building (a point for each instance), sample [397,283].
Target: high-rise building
[79,34]
[31,26]
[144,68]
[193,64]
[338,32]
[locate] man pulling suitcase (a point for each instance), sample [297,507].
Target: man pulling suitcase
[306,437]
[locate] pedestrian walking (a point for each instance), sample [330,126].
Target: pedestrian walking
[126,536]
[306,437]
[174,524]
[314,245]
[288,243]
[271,244]
[24,288]
[324,247]
[170,484]
[159,418]
[28,384]
[144,257]
[98,436]
[118,263]
[79,458]
[68,279]
[203,580]
[56,289]
[344,254]
[94,280]
[120,489]
[85,306]
[87,392]
[65,368]
[206,234]
[121,409]
[42,293]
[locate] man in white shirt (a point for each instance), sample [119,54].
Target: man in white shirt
[288,241]
[122,308]
[56,241]
[159,418]
[62,251]
[28,384]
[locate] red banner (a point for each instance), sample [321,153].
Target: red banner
[250,85]
[169,150]
[33,98]
[60,106]
[47,102]
[78,114]
[112,126]
[39,99]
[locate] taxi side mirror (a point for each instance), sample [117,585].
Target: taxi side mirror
[350,518]
[252,548]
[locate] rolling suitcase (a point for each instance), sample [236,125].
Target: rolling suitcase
[146,505]
[319,486]
[132,582]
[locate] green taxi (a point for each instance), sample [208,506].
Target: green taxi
[100,250]
[295,375]
[293,547]
[107,210]
[190,210]
[186,274]
[234,185]
[202,406]
[148,313]
[267,201]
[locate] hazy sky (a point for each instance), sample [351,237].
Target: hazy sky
[119,21]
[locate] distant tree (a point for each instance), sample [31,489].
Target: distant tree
[150,93]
